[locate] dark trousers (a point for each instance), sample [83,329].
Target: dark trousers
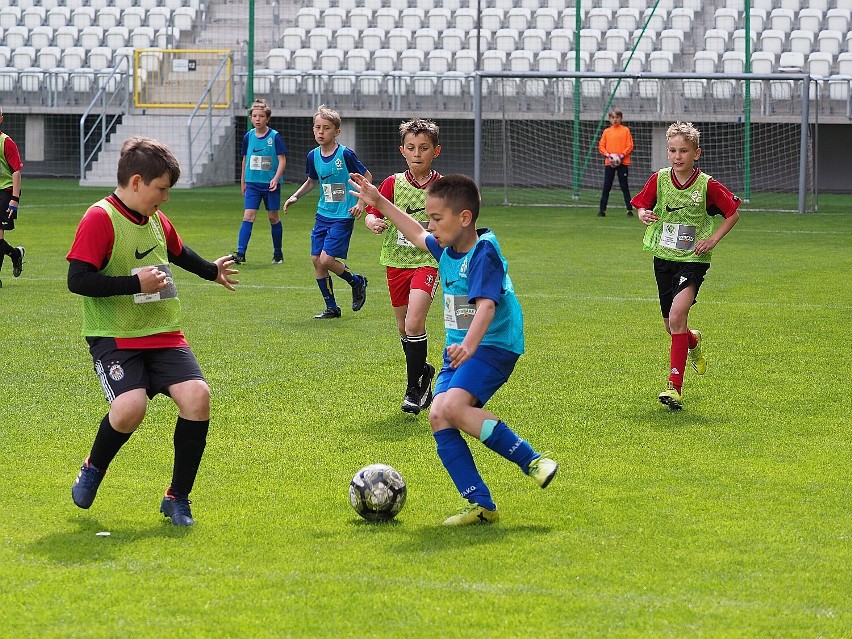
[609,178]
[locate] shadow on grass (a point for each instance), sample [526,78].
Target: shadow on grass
[396,427]
[86,543]
[662,418]
[439,537]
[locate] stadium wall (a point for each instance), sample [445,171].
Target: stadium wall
[49,146]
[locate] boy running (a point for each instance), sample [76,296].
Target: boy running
[485,338]
[677,204]
[412,272]
[329,165]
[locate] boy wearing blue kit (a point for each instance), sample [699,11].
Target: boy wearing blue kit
[264,158]
[329,165]
[485,338]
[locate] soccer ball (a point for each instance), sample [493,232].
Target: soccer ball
[377,492]
[614,160]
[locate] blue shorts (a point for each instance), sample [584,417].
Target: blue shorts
[332,236]
[257,192]
[481,376]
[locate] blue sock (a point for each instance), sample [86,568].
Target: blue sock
[277,234]
[505,442]
[455,455]
[244,236]
[327,291]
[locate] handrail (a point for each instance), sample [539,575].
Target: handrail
[105,99]
[208,98]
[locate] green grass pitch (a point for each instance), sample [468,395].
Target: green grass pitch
[728,519]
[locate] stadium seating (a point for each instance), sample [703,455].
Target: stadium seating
[413,42]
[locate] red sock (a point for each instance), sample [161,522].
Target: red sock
[680,346]
[693,341]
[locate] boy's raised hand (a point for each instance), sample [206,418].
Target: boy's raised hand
[366,192]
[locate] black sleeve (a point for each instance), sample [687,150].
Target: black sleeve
[190,261]
[85,279]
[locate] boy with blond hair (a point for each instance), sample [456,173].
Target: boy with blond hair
[329,166]
[677,205]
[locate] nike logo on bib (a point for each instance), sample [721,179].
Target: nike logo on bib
[139,255]
[325,177]
[412,211]
[672,210]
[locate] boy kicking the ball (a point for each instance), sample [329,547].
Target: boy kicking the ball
[120,263]
[485,337]
[677,205]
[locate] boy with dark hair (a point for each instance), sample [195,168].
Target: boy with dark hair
[120,262]
[264,158]
[616,145]
[329,165]
[10,197]
[485,338]
[677,204]
[412,272]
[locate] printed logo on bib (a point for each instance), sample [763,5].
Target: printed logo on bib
[678,236]
[335,192]
[403,241]
[168,292]
[458,312]
[260,163]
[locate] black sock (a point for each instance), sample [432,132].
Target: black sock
[415,358]
[108,442]
[351,278]
[190,439]
[5,247]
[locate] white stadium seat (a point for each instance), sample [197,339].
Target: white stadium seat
[439,61]
[725,19]
[58,17]
[360,18]
[346,39]
[133,17]
[412,61]
[278,59]
[108,17]
[830,41]
[331,60]
[801,41]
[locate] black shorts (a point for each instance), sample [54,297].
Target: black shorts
[673,277]
[7,223]
[154,369]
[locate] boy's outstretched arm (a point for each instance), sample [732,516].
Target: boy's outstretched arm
[369,195]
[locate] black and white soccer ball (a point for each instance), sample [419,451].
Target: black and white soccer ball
[377,492]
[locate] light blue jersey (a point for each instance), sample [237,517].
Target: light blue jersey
[261,155]
[332,173]
[482,272]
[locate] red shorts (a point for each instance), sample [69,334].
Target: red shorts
[401,281]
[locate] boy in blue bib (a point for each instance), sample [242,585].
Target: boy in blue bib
[485,338]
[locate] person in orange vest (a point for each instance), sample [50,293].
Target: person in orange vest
[616,145]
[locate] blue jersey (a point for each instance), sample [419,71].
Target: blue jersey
[332,173]
[482,272]
[261,154]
